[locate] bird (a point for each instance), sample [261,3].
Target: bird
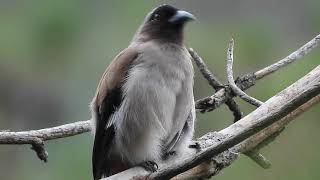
[143,110]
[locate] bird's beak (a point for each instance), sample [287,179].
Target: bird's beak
[181,17]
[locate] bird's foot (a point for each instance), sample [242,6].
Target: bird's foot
[149,166]
[168,154]
[196,146]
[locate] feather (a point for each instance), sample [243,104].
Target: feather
[108,98]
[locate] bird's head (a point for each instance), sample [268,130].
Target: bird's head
[164,23]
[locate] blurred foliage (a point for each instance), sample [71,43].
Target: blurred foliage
[53,52]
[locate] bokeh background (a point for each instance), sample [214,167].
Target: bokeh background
[53,52]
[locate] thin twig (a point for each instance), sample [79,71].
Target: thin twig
[37,137]
[235,109]
[207,74]
[215,84]
[26,137]
[296,55]
[231,81]
[244,82]
[231,103]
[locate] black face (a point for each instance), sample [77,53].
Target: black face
[167,14]
[162,14]
[166,23]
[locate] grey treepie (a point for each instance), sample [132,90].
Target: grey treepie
[143,110]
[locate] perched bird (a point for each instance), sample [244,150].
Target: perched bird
[143,110]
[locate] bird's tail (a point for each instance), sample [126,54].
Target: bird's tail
[104,163]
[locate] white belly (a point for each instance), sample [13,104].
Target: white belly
[158,98]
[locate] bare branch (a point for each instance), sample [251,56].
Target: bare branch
[215,84]
[232,84]
[231,103]
[235,109]
[270,112]
[212,80]
[296,55]
[253,141]
[244,82]
[37,137]
[253,154]
[27,137]
[223,160]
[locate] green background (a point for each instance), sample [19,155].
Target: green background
[53,52]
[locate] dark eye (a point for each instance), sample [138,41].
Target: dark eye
[155,17]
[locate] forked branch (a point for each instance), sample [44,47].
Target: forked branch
[248,80]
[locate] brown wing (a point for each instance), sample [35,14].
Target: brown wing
[115,73]
[108,98]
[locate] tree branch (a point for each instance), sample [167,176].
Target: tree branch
[231,81]
[37,137]
[246,81]
[270,112]
[253,154]
[207,74]
[296,55]
[215,84]
[274,128]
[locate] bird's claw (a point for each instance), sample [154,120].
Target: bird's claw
[196,146]
[149,166]
[168,154]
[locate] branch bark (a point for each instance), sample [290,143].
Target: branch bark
[270,112]
[37,137]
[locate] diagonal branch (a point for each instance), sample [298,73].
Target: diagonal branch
[270,112]
[207,74]
[296,55]
[223,160]
[253,141]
